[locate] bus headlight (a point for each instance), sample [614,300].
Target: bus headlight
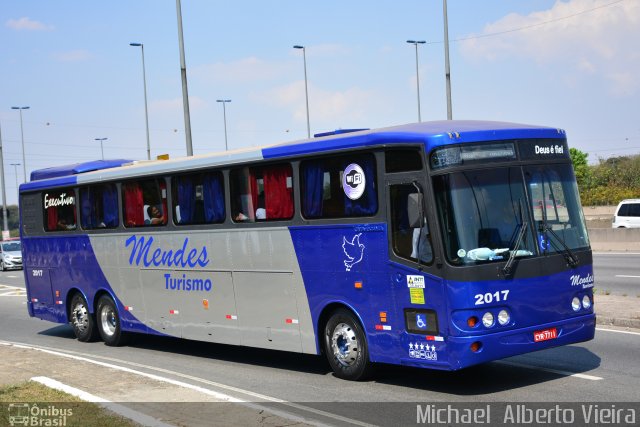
[575,304]
[487,320]
[503,317]
[586,302]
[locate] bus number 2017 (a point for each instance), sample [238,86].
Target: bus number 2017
[488,298]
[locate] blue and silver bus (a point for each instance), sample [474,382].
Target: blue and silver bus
[439,245]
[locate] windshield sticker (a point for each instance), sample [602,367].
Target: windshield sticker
[416,295]
[543,242]
[415,281]
[353,181]
[354,250]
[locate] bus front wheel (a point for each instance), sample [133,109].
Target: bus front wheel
[83,322]
[109,322]
[346,348]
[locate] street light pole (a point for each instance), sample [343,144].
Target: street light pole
[146,111]
[15,171]
[224,114]
[447,69]
[5,222]
[101,147]
[416,43]
[306,90]
[24,161]
[183,74]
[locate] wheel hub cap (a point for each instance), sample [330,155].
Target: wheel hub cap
[344,344]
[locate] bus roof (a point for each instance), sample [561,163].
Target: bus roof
[431,134]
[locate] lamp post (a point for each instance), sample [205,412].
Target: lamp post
[416,43]
[306,90]
[24,161]
[15,171]
[146,111]
[101,147]
[183,75]
[224,114]
[5,222]
[447,69]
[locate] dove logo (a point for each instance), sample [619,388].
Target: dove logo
[353,181]
[354,250]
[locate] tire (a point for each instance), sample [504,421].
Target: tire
[108,320]
[2,266]
[345,345]
[83,322]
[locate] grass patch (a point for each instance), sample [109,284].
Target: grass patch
[26,399]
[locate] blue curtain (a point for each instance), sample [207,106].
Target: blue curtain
[367,204]
[86,208]
[110,206]
[186,199]
[313,191]
[213,198]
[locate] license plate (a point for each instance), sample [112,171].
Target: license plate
[544,335]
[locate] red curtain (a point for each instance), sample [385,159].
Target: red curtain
[278,198]
[52,218]
[133,205]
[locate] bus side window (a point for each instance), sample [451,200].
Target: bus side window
[145,203]
[263,194]
[198,198]
[408,242]
[60,210]
[99,207]
[324,195]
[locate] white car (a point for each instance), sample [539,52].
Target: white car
[627,214]
[10,255]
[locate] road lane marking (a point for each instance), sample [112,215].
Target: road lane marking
[624,275]
[129,413]
[255,405]
[617,331]
[553,371]
[616,253]
[12,291]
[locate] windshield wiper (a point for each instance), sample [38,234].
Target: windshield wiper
[507,269]
[571,258]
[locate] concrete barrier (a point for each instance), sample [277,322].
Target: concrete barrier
[615,239]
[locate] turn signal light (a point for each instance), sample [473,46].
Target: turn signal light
[472,321]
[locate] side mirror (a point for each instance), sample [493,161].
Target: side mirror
[414,210]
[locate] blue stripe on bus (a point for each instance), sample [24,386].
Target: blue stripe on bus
[71,264]
[65,181]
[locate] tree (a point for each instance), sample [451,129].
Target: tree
[580,167]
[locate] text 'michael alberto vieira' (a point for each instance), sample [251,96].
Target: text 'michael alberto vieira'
[522,413]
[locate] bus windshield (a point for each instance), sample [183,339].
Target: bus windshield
[557,213]
[482,213]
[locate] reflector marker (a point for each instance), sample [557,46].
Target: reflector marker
[174,312]
[231,317]
[58,302]
[434,338]
[292,321]
[128,308]
[34,299]
[383,327]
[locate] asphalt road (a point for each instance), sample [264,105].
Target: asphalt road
[605,369]
[617,273]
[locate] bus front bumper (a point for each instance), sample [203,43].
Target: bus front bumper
[499,345]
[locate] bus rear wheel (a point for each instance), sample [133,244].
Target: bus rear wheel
[109,322]
[345,345]
[83,322]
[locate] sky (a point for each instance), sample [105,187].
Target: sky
[570,64]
